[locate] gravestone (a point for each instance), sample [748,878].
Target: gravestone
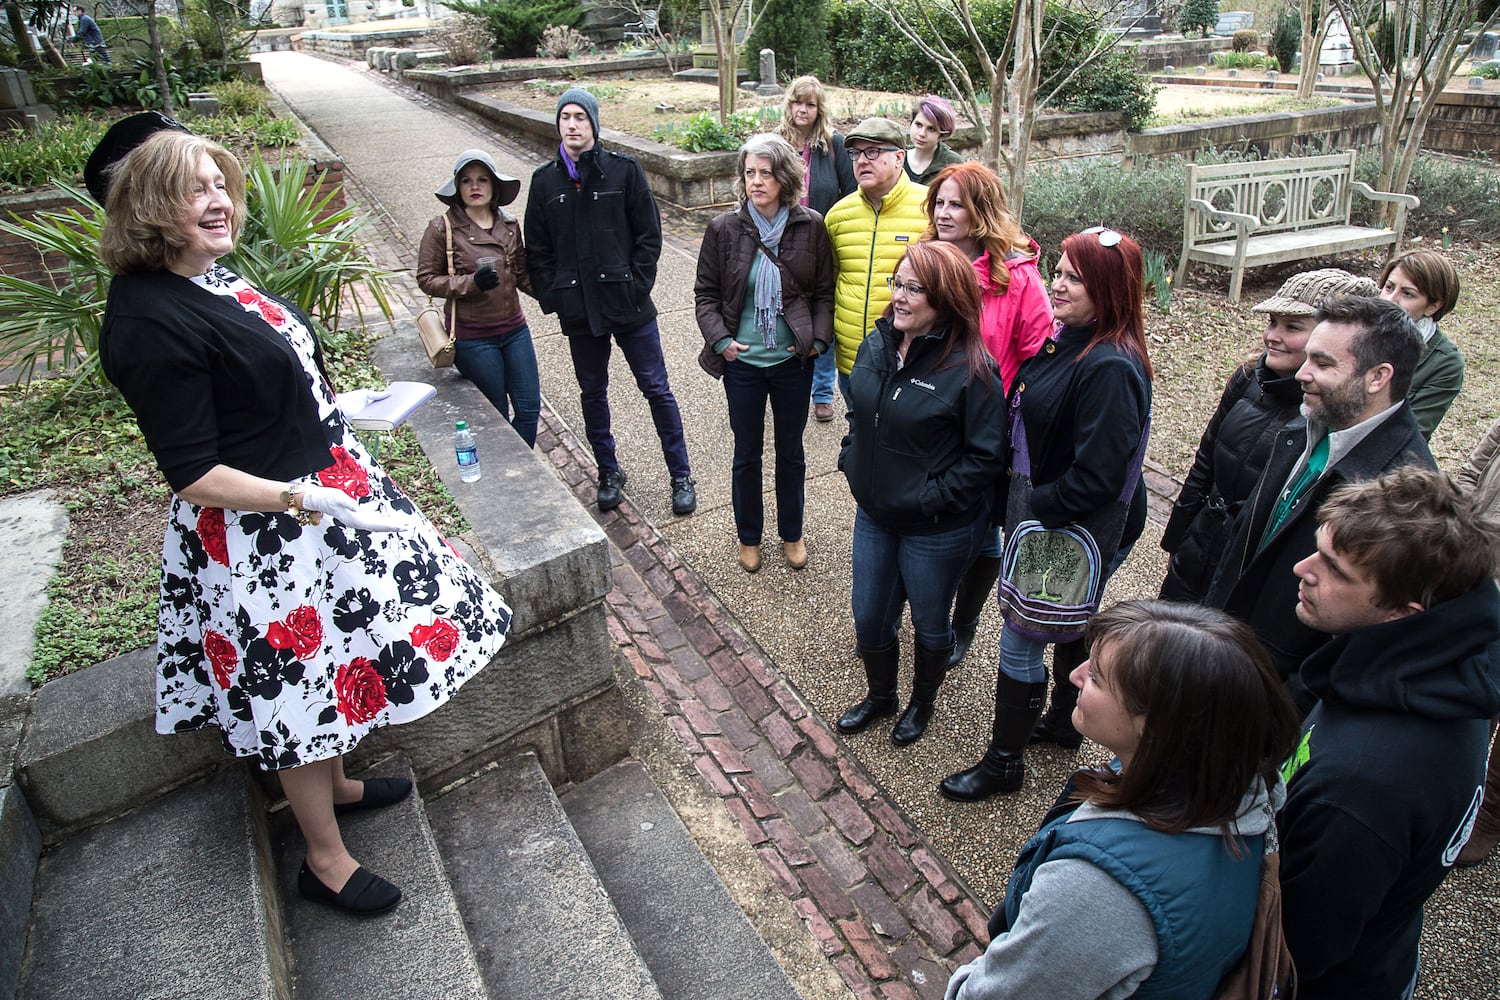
[1231,21]
[18,103]
[768,86]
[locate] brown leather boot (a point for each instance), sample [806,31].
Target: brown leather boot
[1486,831]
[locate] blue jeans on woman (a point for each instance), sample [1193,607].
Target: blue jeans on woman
[747,388]
[921,570]
[505,370]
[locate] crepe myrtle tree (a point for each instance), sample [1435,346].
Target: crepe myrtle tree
[1011,74]
[1408,77]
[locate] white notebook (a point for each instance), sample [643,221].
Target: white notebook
[385,409]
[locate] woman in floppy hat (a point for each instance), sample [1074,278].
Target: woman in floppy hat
[491,339]
[1261,396]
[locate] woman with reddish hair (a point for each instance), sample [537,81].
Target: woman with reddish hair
[966,206]
[924,451]
[1080,413]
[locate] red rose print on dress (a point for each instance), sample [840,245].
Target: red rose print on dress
[360,690]
[268,309]
[211,532]
[440,638]
[302,632]
[346,474]
[222,656]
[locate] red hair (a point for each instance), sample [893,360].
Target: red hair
[990,221]
[1115,279]
[952,289]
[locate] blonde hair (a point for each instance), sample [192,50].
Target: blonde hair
[820,135]
[148,191]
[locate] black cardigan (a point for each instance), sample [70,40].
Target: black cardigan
[210,383]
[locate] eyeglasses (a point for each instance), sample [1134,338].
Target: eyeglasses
[872,152]
[1107,237]
[904,287]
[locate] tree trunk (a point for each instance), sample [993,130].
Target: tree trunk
[26,55]
[1311,26]
[159,61]
[1024,81]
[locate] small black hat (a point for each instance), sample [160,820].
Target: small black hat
[123,136]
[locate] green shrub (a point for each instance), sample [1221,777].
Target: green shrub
[128,38]
[1460,194]
[870,54]
[1286,38]
[1064,197]
[704,131]
[516,26]
[1157,278]
[241,97]
[1198,15]
[1245,40]
[214,26]
[1242,60]
[1112,83]
[56,151]
[797,31]
[1487,70]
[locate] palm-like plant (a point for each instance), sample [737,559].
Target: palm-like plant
[294,244]
[57,323]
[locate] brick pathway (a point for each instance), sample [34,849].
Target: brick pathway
[892,916]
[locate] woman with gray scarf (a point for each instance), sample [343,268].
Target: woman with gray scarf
[764,296]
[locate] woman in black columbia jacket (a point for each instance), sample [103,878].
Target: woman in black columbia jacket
[925,447]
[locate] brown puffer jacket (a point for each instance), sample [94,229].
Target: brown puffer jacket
[470,243]
[807,276]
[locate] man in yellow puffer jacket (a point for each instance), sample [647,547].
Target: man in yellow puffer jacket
[870,230]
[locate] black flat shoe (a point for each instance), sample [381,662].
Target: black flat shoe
[379,793]
[364,895]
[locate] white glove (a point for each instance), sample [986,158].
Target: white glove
[352,401]
[343,508]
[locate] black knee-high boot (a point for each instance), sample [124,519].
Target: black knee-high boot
[929,666]
[1056,725]
[1003,769]
[881,666]
[973,590]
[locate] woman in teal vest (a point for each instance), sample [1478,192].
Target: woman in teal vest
[1142,881]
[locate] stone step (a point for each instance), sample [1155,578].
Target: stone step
[542,925]
[171,901]
[695,939]
[418,951]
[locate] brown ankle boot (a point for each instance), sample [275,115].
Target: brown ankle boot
[1486,831]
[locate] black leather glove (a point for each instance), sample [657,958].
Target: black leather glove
[486,277]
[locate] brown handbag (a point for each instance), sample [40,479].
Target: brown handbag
[1266,971]
[436,331]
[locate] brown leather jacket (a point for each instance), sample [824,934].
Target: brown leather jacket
[807,276]
[470,243]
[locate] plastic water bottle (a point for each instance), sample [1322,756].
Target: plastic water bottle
[467,452]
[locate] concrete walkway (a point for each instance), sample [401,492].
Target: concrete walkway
[744,669]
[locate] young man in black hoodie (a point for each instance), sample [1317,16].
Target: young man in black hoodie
[1385,786]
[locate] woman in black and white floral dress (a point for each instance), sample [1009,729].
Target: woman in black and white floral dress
[304,599]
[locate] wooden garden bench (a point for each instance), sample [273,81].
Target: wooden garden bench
[1240,215]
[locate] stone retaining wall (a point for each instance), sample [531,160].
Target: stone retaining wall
[1280,133]
[706,180]
[447,83]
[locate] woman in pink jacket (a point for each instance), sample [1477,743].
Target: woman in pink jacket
[966,206]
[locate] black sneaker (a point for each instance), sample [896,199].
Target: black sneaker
[684,495]
[611,485]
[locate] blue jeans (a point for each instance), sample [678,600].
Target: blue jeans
[920,570]
[825,370]
[747,388]
[642,350]
[505,370]
[1021,658]
[844,390]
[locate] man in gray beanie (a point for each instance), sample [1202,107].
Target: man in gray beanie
[593,237]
